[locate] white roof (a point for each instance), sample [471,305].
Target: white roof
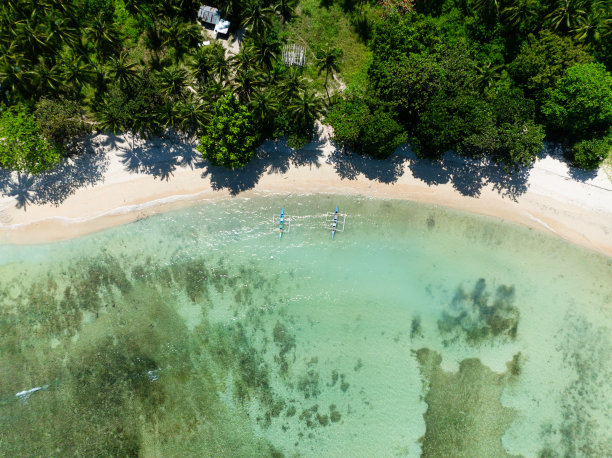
[222,27]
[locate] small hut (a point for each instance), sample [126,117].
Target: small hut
[211,16]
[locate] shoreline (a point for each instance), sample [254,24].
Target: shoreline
[155,177]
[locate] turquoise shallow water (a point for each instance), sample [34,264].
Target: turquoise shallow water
[417,331]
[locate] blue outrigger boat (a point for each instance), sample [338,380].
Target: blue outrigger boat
[335,222]
[282,223]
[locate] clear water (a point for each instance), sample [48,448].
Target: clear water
[417,331]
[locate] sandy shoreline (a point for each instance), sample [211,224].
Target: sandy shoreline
[118,184]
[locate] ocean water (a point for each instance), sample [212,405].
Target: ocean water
[417,331]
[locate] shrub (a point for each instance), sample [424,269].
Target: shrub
[357,127]
[228,137]
[590,153]
[22,146]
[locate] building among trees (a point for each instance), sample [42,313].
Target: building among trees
[211,16]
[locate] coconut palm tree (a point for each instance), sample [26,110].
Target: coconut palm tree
[245,81]
[487,74]
[12,79]
[521,13]
[193,113]
[220,64]
[123,71]
[292,84]
[173,82]
[266,51]
[46,77]
[285,9]
[566,14]
[487,8]
[244,60]
[305,109]
[104,36]
[180,37]
[264,106]
[257,18]
[328,60]
[596,25]
[75,72]
[200,65]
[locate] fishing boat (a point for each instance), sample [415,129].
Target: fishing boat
[282,223]
[335,222]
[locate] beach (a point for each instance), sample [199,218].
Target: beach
[117,182]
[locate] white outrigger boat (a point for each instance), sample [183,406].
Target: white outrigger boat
[335,223]
[282,223]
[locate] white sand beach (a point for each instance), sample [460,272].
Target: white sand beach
[115,184]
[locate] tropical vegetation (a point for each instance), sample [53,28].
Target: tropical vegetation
[484,78]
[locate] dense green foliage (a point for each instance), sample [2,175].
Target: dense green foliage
[139,67]
[483,78]
[490,79]
[61,122]
[363,127]
[590,153]
[228,137]
[22,145]
[580,103]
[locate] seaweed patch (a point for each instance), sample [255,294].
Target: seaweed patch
[464,414]
[477,315]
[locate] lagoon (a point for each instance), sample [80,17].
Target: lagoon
[417,331]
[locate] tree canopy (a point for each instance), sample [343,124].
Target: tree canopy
[228,138]
[22,146]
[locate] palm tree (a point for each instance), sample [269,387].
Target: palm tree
[266,51]
[487,8]
[173,82]
[215,90]
[596,25]
[244,60]
[257,18]
[328,60]
[75,71]
[104,36]
[566,14]
[521,13]
[264,107]
[245,81]
[292,84]
[193,113]
[123,71]
[46,77]
[181,37]
[153,39]
[100,81]
[200,65]
[487,74]
[219,62]
[285,9]
[305,110]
